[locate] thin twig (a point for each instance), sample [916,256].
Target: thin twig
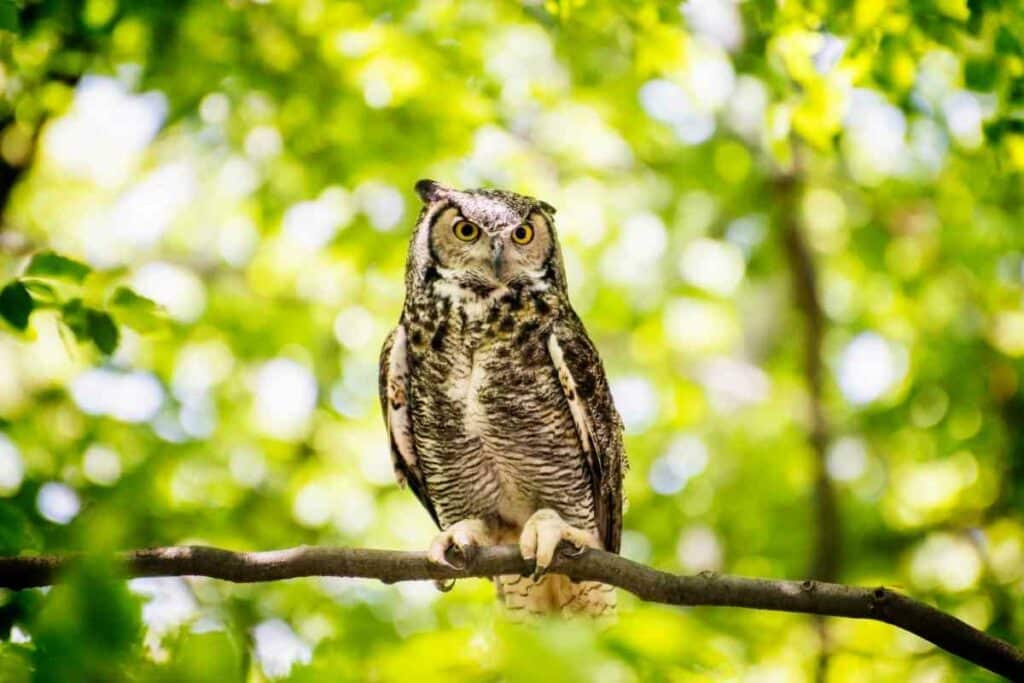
[808,597]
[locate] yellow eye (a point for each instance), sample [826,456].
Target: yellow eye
[466,231]
[523,234]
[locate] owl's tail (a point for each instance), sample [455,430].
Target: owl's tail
[556,594]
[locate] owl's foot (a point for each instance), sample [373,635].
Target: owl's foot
[542,533]
[461,540]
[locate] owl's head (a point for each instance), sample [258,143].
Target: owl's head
[482,240]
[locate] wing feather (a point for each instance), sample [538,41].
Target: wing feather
[394,403]
[598,424]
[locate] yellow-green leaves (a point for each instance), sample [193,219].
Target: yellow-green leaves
[137,311]
[90,325]
[265,197]
[820,99]
[208,656]
[16,531]
[867,13]
[819,115]
[88,627]
[86,300]
[955,9]
[50,265]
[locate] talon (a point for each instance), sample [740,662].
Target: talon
[544,536]
[569,549]
[444,585]
[437,554]
[454,558]
[456,547]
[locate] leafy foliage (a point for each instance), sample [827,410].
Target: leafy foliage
[16,304]
[57,282]
[205,215]
[47,264]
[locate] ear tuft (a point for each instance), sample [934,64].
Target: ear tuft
[429,190]
[547,207]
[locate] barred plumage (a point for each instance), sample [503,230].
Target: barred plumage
[496,402]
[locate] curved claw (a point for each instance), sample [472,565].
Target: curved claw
[444,585]
[459,557]
[456,547]
[545,533]
[539,570]
[441,560]
[570,549]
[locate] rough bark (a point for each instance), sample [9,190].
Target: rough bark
[808,597]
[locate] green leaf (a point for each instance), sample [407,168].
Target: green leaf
[16,305]
[90,324]
[42,293]
[16,532]
[9,17]
[955,9]
[211,656]
[73,315]
[15,663]
[88,627]
[48,264]
[102,330]
[1007,43]
[128,298]
[980,74]
[1015,93]
[137,311]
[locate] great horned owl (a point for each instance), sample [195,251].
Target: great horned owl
[496,402]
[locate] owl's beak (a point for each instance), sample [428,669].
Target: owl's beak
[496,250]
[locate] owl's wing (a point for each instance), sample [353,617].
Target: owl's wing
[394,404]
[597,422]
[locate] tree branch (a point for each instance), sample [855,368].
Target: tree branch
[827,551]
[809,597]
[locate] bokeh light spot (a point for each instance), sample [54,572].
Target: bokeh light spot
[868,367]
[57,502]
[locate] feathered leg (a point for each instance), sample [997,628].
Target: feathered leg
[551,593]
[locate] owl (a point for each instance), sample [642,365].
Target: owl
[495,400]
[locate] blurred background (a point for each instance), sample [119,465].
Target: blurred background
[793,229]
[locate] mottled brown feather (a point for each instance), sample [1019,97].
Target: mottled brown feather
[406,473]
